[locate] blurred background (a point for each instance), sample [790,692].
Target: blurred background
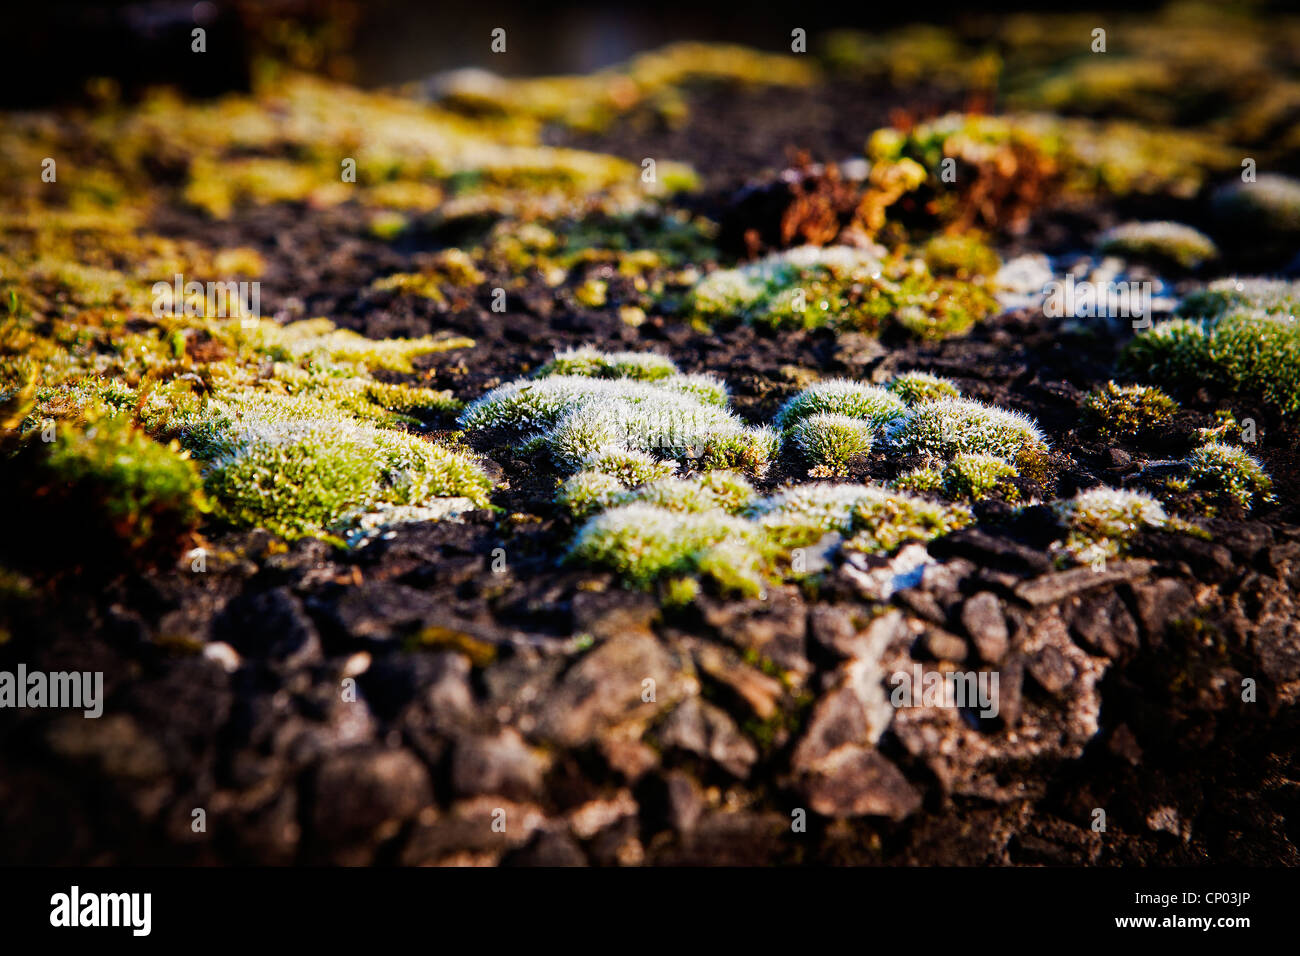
[55,48]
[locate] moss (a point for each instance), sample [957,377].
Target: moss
[960,256]
[873,519]
[1267,296]
[829,441]
[1229,470]
[869,403]
[1101,522]
[1128,411]
[1164,243]
[101,490]
[1269,206]
[642,542]
[1250,351]
[642,366]
[587,492]
[811,287]
[975,477]
[298,477]
[915,388]
[573,417]
[951,427]
[592,293]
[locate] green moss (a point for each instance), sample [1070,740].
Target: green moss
[1129,411]
[960,256]
[829,441]
[915,388]
[572,418]
[299,477]
[951,427]
[975,477]
[1254,352]
[100,485]
[869,403]
[1268,296]
[871,518]
[811,287]
[1101,522]
[1164,243]
[642,366]
[1229,470]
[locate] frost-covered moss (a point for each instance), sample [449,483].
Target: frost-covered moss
[1129,411]
[643,543]
[572,418]
[975,477]
[830,441]
[1170,243]
[642,366]
[871,518]
[915,388]
[590,491]
[660,535]
[872,404]
[838,286]
[1229,470]
[1101,521]
[951,427]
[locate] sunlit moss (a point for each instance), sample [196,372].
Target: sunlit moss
[877,406]
[829,441]
[918,387]
[950,427]
[1168,243]
[1128,411]
[1101,522]
[1230,470]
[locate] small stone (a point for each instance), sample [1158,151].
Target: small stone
[857,781]
[982,617]
[943,646]
[701,728]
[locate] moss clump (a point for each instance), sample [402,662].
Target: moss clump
[1166,243]
[1270,205]
[915,388]
[572,418]
[873,519]
[975,477]
[829,441]
[962,256]
[1131,411]
[1101,521]
[643,543]
[667,532]
[872,404]
[587,492]
[1250,351]
[591,362]
[298,477]
[841,287]
[1229,470]
[1267,296]
[951,427]
[98,491]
